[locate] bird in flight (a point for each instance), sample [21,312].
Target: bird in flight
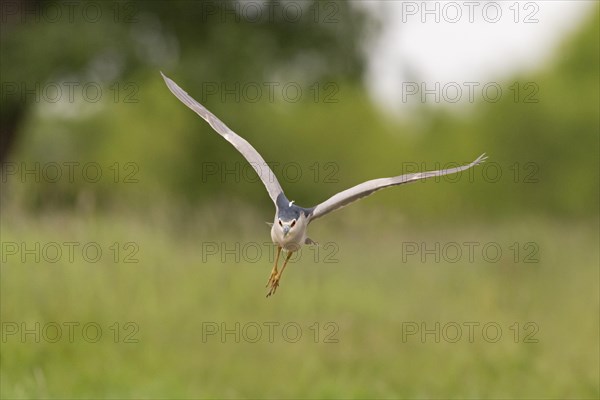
[288,231]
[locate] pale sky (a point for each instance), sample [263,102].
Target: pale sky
[489,42]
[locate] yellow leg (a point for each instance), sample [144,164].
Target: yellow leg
[277,277]
[274,270]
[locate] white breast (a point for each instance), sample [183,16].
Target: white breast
[295,238]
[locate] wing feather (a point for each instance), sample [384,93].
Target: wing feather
[367,188]
[254,158]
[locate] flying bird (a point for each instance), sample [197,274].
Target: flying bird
[288,231]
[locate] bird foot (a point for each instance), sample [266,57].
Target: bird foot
[273,274]
[274,281]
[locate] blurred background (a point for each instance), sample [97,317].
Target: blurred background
[133,244]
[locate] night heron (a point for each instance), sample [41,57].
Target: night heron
[288,230]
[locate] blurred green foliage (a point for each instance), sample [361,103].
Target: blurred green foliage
[135,119]
[368,289]
[546,151]
[169,182]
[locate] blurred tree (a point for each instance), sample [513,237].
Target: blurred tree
[48,41]
[551,145]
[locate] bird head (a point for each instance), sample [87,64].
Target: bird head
[287,226]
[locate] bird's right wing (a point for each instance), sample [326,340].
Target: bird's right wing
[254,158]
[364,189]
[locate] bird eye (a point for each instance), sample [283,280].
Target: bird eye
[293,223]
[280,224]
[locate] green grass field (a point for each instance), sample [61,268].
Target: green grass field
[347,320]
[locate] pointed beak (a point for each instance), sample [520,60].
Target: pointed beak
[286,230]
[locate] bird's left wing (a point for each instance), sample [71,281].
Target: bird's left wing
[254,158]
[369,187]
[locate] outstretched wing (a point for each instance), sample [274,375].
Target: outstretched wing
[254,158]
[369,187]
